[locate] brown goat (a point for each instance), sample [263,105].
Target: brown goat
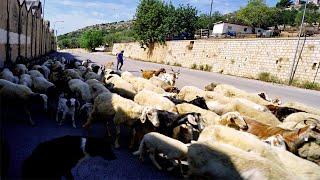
[293,138]
[150,73]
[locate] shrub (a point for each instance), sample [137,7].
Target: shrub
[201,67]
[267,77]
[207,68]
[306,85]
[177,64]
[194,66]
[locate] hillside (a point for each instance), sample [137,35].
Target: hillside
[112,32]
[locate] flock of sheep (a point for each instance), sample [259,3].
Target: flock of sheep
[219,132]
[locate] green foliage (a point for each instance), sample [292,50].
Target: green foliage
[91,39]
[288,17]
[194,66]
[257,14]
[119,37]
[284,3]
[205,21]
[155,21]
[177,64]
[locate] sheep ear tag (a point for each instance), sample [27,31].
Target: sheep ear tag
[192,120]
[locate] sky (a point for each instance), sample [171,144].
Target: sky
[77,14]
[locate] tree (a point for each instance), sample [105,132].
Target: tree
[284,4]
[186,20]
[91,39]
[256,14]
[205,21]
[150,24]
[288,17]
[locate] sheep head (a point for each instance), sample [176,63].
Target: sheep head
[150,114]
[233,120]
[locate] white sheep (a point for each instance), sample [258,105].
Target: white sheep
[96,88]
[66,107]
[121,86]
[41,85]
[80,89]
[46,71]
[231,91]
[6,74]
[150,98]
[251,143]
[295,120]
[276,141]
[158,82]
[21,96]
[124,111]
[20,69]
[25,79]
[223,161]
[302,107]
[140,83]
[35,73]
[209,117]
[155,143]
[189,93]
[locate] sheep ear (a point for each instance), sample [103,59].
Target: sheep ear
[192,120]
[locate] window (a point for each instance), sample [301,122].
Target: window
[245,29]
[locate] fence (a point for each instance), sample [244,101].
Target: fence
[23,32]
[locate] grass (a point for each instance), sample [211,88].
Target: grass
[194,66]
[306,85]
[177,64]
[267,77]
[207,68]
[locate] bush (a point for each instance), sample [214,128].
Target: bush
[177,64]
[194,66]
[306,85]
[267,77]
[207,68]
[201,67]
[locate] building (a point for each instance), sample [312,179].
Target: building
[297,2]
[224,28]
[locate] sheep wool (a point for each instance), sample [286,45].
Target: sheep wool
[41,85]
[122,87]
[223,161]
[149,98]
[81,89]
[209,117]
[231,91]
[158,82]
[302,107]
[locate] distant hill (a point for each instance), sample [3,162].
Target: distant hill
[106,27]
[114,32]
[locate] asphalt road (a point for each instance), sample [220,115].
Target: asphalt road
[200,79]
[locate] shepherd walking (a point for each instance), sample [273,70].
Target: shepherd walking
[120,60]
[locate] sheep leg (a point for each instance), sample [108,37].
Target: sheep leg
[57,116]
[63,118]
[133,132]
[153,159]
[29,116]
[116,144]
[73,121]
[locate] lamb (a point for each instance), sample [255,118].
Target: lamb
[149,98]
[209,117]
[155,143]
[20,69]
[35,73]
[223,161]
[302,107]
[121,87]
[230,91]
[25,79]
[147,74]
[66,107]
[6,74]
[80,89]
[124,111]
[20,96]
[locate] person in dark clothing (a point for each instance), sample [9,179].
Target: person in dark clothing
[120,60]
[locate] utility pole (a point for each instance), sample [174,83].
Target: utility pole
[210,21]
[295,55]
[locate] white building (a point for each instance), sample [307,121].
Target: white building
[297,2]
[224,28]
